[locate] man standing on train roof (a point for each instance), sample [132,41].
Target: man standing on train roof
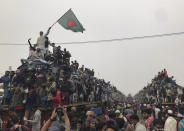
[41,41]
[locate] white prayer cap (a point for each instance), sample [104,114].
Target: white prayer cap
[117,111]
[170,112]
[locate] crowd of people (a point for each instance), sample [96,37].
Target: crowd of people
[117,117]
[55,81]
[48,81]
[162,89]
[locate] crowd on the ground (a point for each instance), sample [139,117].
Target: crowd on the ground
[162,89]
[120,117]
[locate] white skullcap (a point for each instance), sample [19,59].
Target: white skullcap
[170,112]
[117,111]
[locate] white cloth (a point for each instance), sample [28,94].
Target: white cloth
[180,91]
[41,42]
[140,127]
[177,101]
[36,122]
[39,55]
[170,124]
[157,110]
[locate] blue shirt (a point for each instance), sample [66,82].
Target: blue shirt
[5,79]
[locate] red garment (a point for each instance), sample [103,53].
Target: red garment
[148,122]
[57,99]
[106,118]
[106,112]
[66,98]
[19,108]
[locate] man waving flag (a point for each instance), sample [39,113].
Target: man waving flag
[70,22]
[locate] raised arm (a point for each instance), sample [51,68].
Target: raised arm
[67,121]
[49,121]
[30,43]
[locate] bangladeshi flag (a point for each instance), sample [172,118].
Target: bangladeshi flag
[70,22]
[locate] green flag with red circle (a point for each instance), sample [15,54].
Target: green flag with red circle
[70,22]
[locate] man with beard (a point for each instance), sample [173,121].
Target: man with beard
[171,123]
[89,116]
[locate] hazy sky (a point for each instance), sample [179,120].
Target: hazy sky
[129,65]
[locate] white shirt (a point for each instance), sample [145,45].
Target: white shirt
[180,91]
[36,122]
[170,124]
[39,55]
[41,42]
[140,127]
[177,101]
[157,110]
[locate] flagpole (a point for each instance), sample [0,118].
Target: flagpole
[53,24]
[58,19]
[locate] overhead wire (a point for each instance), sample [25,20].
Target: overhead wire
[105,40]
